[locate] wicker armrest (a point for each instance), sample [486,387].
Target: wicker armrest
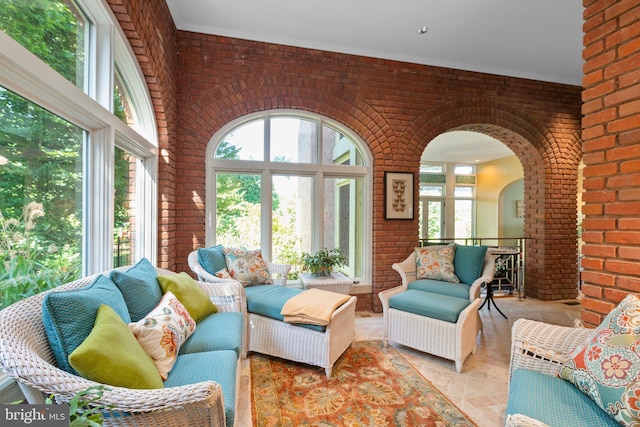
[542,346]
[406,269]
[488,272]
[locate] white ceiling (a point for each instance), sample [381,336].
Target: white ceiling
[534,39]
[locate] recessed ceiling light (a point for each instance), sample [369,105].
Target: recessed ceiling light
[423,30]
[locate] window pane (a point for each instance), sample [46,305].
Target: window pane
[464,192]
[463,219]
[238,210]
[121,106]
[433,169]
[465,179]
[53,30]
[292,227]
[294,140]
[40,198]
[338,149]
[243,143]
[432,190]
[343,220]
[464,170]
[125,207]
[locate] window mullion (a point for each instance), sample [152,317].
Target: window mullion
[98,199]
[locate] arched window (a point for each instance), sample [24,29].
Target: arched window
[290,182]
[65,67]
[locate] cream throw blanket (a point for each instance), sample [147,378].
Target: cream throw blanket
[313,307]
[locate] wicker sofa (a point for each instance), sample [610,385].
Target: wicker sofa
[434,316]
[537,397]
[268,334]
[190,398]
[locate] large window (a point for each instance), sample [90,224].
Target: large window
[447,201]
[77,146]
[290,182]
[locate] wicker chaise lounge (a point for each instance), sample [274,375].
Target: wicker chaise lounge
[277,338]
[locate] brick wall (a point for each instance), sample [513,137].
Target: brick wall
[396,108]
[150,30]
[611,131]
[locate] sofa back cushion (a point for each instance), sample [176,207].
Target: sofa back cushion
[468,262]
[212,260]
[139,288]
[69,316]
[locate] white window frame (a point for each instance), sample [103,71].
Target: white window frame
[267,168]
[28,76]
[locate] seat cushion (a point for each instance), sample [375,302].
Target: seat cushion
[139,288]
[69,316]
[553,401]
[220,331]
[219,366]
[435,306]
[468,262]
[458,290]
[268,300]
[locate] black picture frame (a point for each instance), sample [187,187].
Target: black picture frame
[398,195]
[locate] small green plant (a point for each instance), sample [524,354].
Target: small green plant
[83,409]
[322,262]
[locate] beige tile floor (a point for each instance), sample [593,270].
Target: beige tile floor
[480,390]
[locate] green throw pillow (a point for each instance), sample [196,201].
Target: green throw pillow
[189,294]
[112,355]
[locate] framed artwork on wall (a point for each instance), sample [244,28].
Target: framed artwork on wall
[398,195]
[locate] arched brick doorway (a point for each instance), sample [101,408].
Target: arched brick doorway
[550,185]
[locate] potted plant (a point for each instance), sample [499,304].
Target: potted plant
[322,262]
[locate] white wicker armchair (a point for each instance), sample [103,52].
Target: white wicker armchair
[278,272]
[25,356]
[541,347]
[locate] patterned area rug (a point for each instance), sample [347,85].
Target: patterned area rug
[370,386]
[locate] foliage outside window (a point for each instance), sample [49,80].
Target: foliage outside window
[40,194]
[309,193]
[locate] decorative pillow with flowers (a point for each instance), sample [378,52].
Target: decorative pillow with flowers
[162,332]
[247,266]
[436,262]
[607,367]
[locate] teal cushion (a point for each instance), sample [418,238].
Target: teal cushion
[219,331]
[468,262]
[219,366]
[458,290]
[435,306]
[268,300]
[553,401]
[68,316]
[212,259]
[139,287]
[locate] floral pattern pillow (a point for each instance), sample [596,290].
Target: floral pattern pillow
[162,332]
[247,266]
[436,262]
[607,367]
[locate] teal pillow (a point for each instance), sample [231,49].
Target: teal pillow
[212,259]
[468,262]
[139,287]
[69,316]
